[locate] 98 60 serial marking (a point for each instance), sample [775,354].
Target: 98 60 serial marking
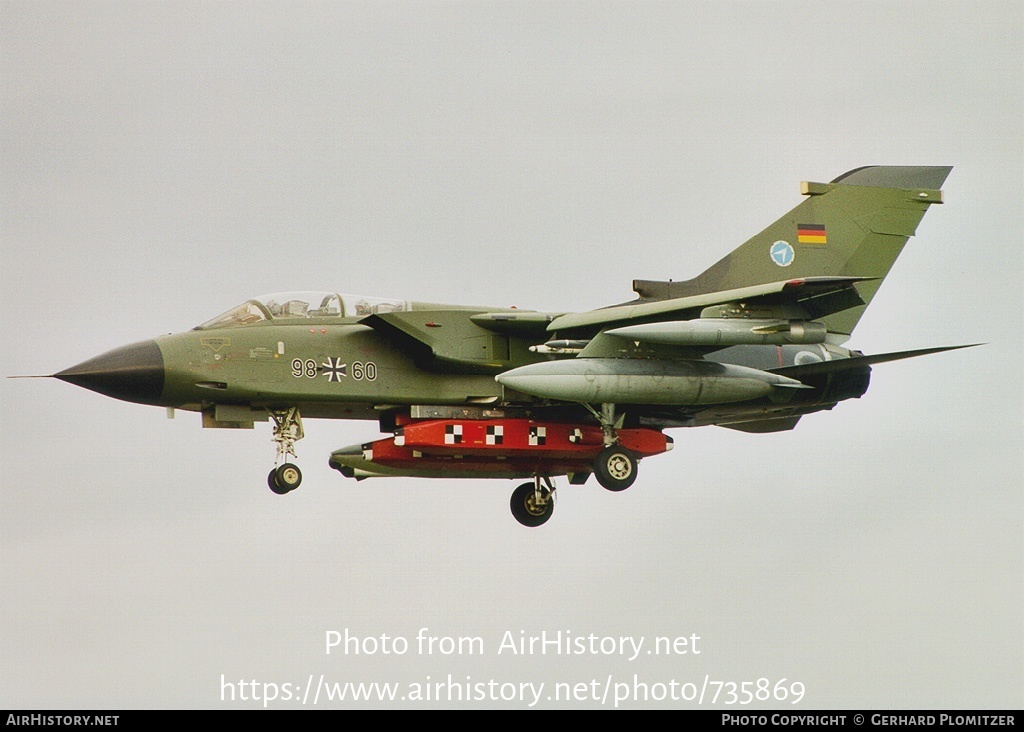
[334,368]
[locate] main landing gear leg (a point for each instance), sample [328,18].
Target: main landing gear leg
[608,424]
[532,503]
[615,467]
[286,477]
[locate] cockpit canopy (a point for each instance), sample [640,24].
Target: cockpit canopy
[291,306]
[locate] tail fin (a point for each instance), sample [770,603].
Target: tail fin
[855,226]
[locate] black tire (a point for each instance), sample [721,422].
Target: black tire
[615,468]
[284,479]
[272,482]
[525,509]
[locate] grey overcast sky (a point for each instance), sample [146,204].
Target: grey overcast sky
[163,161]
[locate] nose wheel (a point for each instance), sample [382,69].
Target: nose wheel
[286,477]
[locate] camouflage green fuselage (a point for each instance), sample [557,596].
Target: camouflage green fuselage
[341,369]
[327,367]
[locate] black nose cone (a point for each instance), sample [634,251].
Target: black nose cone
[133,373]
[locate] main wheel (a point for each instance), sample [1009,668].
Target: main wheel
[615,468]
[284,479]
[527,509]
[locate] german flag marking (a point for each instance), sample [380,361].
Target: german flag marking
[810,234]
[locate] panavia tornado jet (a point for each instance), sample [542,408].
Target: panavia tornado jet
[752,344]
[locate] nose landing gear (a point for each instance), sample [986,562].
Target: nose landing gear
[286,477]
